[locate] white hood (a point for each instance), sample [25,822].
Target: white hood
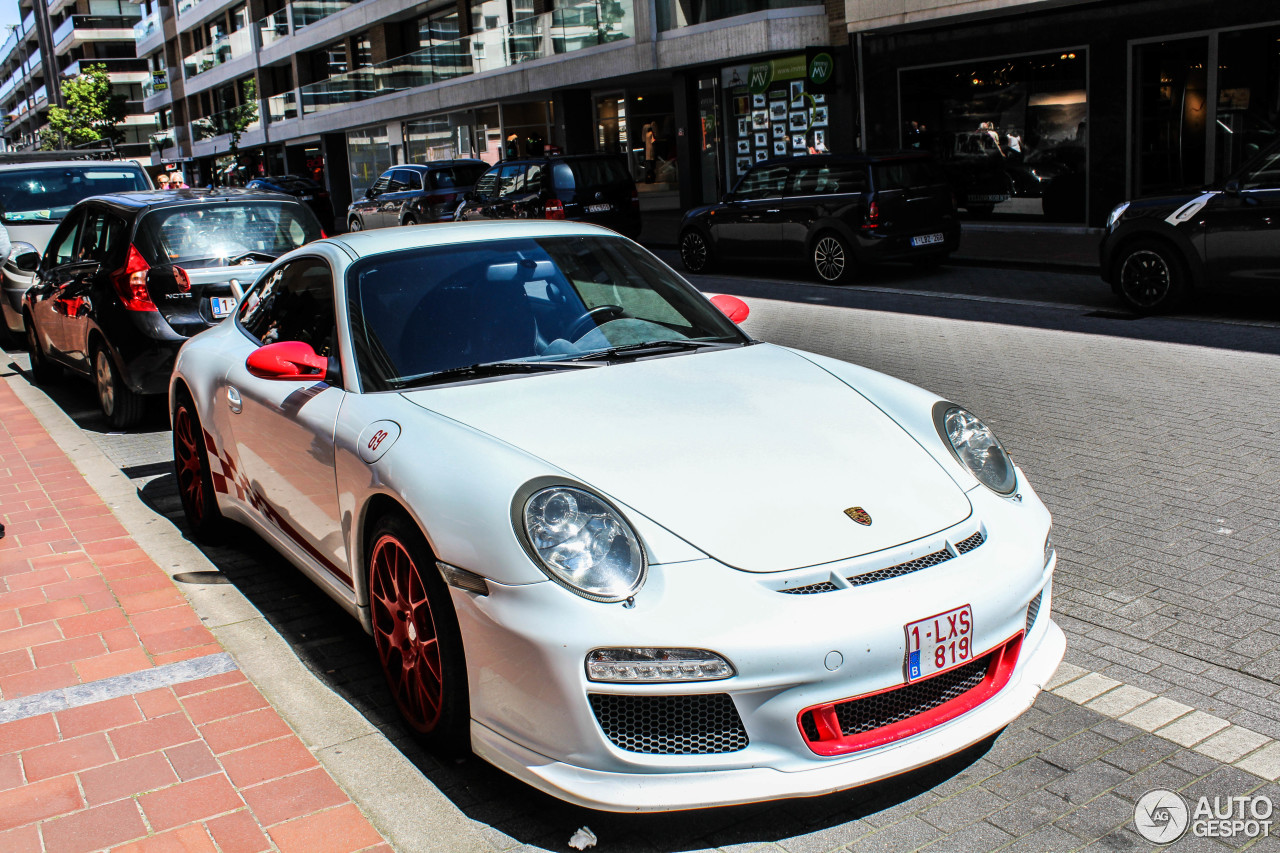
[750,454]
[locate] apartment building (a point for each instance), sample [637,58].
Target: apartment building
[1056,111]
[55,39]
[690,92]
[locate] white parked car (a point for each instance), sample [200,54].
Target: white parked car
[603,538]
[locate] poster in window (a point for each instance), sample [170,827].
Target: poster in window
[743,164]
[762,154]
[741,105]
[744,126]
[819,99]
[819,116]
[777,94]
[800,121]
[820,141]
[762,140]
[778,111]
[779,130]
[744,146]
[759,120]
[780,148]
[757,101]
[798,142]
[797,94]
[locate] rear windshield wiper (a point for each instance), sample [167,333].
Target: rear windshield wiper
[652,348]
[484,371]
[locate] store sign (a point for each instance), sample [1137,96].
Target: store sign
[821,68]
[762,74]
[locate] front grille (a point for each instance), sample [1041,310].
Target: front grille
[964,546]
[893,706]
[811,589]
[902,568]
[671,725]
[1033,610]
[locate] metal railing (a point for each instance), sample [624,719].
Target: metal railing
[282,107]
[549,34]
[147,27]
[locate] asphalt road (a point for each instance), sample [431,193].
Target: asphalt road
[1154,443]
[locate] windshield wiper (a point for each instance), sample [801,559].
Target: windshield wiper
[484,371]
[652,348]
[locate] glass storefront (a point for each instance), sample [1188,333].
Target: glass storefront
[446,137]
[1170,94]
[1010,132]
[1248,118]
[368,156]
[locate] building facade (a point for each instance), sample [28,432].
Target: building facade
[1056,111]
[55,39]
[344,90]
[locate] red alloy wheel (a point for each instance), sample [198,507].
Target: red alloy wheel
[187,455]
[405,633]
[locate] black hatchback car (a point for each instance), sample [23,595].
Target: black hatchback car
[127,278]
[836,212]
[415,194]
[1157,250]
[595,188]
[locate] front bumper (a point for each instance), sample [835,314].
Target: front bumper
[531,702]
[625,792]
[14,287]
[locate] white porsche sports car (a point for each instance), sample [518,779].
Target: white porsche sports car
[603,538]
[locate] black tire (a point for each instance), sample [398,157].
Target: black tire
[404,582]
[695,252]
[123,407]
[1149,277]
[410,219]
[43,371]
[832,258]
[195,478]
[355,224]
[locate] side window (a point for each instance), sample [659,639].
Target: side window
[533,179]
[507,180]
[839,178]
[294,303]
[487,185]
[101,236]
[62,247]
[399,181]
[415,179]
[763,182]
[1265,174]
[381,184]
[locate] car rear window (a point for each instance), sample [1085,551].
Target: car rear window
[204,235]
[46,193]
[593,172]
[451,177]
[906,174]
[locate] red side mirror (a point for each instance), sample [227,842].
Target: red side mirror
[733,307]
[287,360]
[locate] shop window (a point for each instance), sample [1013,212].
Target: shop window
[1248,119]
[369,155]
[1011,134]
[1170,114]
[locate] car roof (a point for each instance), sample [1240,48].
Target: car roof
[148,199]
[442,164]
[59,164]
[378,241]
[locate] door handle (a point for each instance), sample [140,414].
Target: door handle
[233,400]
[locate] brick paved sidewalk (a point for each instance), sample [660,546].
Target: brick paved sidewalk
[123,723]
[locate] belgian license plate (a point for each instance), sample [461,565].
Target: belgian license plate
[222,305]
[926,239]
[992,197]
[599,208]
[939,642]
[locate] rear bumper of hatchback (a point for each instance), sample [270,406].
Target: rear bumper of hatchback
[877,244]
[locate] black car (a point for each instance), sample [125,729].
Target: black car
[127,278]
[835,211]
[1155,251]
[594,188]
[415,194]
[303,189]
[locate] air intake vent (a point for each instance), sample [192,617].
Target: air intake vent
[894,706]
[671,725]
[902,568]
[1033,610]
[964,546]
[811,589]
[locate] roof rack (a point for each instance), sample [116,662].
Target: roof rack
[97,149]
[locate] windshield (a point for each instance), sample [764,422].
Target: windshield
[421,311]
[218,233]
[45,194]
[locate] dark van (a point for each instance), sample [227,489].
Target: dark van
[594,188]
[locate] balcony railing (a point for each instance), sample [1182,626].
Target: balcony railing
[184,5]
[673,14]
[273,27]
[217,124]
[113,65]
[92,22]
[147,27]
[549,34]
[225,49]
[282,107]
[15,79]
[37,100]
[156,82]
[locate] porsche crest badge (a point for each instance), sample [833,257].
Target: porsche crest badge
[859,515]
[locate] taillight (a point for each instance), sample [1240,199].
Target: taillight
[873,215]
[553,209]
[130,282]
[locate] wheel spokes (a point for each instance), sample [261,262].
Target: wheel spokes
[405,634]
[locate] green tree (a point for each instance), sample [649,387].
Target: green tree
[92,112]
[240,118]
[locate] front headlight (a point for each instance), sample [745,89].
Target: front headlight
[976,447]
[1116,213]
[584,544]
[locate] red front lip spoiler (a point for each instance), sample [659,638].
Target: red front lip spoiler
[831,740]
